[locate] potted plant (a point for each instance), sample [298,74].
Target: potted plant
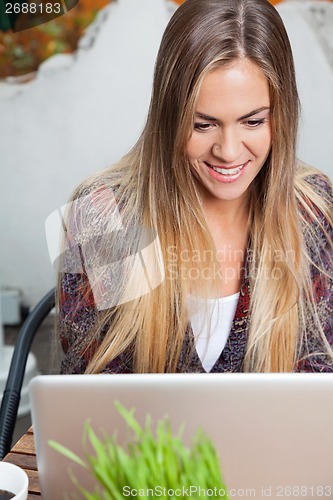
[152,464]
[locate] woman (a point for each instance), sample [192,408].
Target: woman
[244,230]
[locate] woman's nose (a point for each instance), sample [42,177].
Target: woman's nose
[228,147]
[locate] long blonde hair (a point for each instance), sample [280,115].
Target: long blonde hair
[156,187]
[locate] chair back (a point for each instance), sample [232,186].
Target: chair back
[12,393]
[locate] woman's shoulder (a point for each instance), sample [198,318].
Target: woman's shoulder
[311,180]
[93,208]
[95,191]
[314,194]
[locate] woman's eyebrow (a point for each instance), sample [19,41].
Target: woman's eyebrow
[254,112]
[248,115]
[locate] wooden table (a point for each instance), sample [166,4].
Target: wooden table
[23,454]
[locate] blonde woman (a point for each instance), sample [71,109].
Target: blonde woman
[241,230]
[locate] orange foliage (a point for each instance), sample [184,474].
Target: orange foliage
[23,51]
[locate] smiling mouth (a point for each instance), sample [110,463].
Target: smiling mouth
[229,170]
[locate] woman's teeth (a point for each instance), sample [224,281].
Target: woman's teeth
[228,171]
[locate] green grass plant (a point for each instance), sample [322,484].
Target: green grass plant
[151,464]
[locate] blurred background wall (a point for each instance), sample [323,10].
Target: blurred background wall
[310,28]
[78,114]
[82,111]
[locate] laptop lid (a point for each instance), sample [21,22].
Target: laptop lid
[273,432]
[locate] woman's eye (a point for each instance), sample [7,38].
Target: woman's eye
[202,126]
[254,123]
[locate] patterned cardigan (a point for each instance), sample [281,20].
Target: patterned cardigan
[78,314]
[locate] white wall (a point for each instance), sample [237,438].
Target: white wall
[80,114]
[310,29]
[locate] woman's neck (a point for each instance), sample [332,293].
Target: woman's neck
[227,218]
[228,226]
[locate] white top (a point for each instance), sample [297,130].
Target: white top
[211,322]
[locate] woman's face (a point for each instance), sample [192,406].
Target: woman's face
[231,136]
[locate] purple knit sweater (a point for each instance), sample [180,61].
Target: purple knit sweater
[78,314]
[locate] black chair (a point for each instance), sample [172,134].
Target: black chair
[12,393]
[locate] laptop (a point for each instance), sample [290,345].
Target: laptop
[273,432]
